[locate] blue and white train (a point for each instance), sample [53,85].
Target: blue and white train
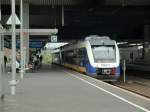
[95,56]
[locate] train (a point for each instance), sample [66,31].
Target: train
[95,56]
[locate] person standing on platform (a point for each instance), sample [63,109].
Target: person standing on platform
[41,58]
[5,61]
[17,66]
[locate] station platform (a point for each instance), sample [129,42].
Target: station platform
[56,89]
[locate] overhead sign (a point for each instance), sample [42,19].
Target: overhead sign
[32,44]
[54,38]
[9,22]
[36,45]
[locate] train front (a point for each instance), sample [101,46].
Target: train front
[104,58]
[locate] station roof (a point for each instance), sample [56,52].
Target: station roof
[119,19]
[47,2]
[37,32]
[83,2]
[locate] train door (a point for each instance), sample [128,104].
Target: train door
[1,64]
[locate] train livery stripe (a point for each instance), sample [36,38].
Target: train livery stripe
[75,67]
[82,69]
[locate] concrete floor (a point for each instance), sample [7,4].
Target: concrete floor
[53,90]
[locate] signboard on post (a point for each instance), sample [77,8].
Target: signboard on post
[54,38]
[9,21]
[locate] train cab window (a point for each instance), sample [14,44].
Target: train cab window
[103,53]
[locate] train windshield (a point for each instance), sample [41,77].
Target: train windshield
[103,53]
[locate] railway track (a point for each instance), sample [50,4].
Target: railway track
[137,82]
[136,88]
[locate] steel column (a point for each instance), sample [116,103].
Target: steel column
[26,26]
[13,82]
[1,61]
[62,15]
[21,39]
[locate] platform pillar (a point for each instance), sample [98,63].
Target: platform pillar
[13,81]
[26,26]
[1,61]
[146,45]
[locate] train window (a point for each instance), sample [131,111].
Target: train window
[69,53]
[104,53]
[68,56]
[81,53]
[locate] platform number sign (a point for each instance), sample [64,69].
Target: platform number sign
[54,38]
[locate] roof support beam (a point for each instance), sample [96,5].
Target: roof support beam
[31,31]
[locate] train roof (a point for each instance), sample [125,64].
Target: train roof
[93,39]
[100,40]
[97,37]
